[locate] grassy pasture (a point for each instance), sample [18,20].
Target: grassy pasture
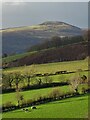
[76,107]
[65,77]
[15,57]
[52,67]
[30,94]
[69,108]
[60,77]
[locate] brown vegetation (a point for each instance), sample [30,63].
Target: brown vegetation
[66,53]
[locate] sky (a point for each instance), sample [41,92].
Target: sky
[20,13]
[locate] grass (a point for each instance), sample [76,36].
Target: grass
[76,107]
[15,57]
[53,78]
[52,67]
[33,94]
[38,27]
[65,77]
[69,108]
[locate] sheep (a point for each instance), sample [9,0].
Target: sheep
[33,107]
[23,109]
[26,110]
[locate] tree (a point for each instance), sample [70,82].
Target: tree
[7,80]
[19,97]
[86,35]
[10,79]
[4,81]
[39,80]
[55,93]
[74,82]
[84,79]
[17,77]
[29,74]
[56,41]
[47,79]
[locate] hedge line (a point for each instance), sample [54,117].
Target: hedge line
[53,96]
[32,87]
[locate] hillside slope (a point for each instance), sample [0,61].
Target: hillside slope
[18,40]
[66,53]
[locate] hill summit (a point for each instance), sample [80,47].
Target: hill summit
[52,23]
[18,40]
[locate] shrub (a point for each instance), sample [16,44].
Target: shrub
[55,93]
[83,90]
[69,94]
[74,82]
[29,101]
[19,97]
[23,103]
[8,106]
[39,98]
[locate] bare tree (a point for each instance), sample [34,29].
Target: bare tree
[10,79]
[74,82]
[4,81]
[39,81]
[19,97]
[17,77]
[7,79]
[29,73]
[47,79]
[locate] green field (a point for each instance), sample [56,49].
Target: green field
[34,94]
[52,67]
[66,77]
[76,107]
[31,93]
[15,57]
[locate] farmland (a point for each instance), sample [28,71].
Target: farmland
[52,67]
[15,57]
[34,94]
[70,108]
[48,68]
[63,108]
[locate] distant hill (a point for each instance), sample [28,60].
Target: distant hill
[18,40]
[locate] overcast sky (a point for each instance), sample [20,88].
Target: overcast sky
[15,14]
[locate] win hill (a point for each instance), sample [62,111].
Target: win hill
[18,40]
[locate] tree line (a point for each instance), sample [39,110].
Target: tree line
[56,41]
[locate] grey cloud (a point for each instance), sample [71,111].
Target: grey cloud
[33,13]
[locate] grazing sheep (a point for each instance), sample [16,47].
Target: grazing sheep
[26,110]
[33,107]
[23,109]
